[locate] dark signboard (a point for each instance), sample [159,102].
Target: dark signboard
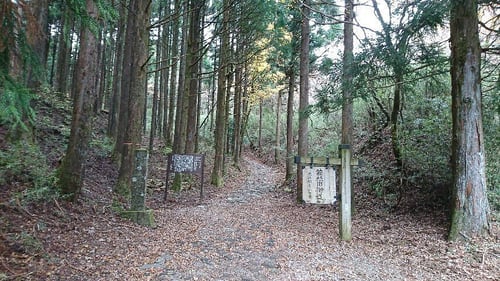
[185,164]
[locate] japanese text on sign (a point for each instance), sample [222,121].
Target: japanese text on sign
[319,185]
[186,163]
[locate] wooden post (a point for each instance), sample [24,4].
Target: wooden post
[345,192]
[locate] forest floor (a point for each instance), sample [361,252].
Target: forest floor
[251,229]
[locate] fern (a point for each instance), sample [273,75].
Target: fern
[15,100]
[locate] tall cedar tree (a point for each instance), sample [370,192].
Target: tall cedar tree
[136,43]
[114,113]
[469,201]
[64,50]
[304,91]
[38,39]
[173,74]
[182,101]
[291,72]
[72,170]
[192,73]
[220,118]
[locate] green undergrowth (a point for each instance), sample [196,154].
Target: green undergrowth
[24,165]
[27,160]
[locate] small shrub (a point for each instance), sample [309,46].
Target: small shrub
[29,243]
[44,189]
[166,150]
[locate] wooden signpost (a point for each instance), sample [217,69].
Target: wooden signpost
[320,184]
[185,164]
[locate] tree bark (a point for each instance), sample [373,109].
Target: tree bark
[156,89]
[261,110]
[304,92]
[173,75]
[114,113]
[72,170]
[238,89]
[396,110]
[38,38]
[217,177]
[470,207]
[192,73]
[182,100]
[138,38]
[278,133]
[289,125]
[165,73]
[64,49]
[158,75]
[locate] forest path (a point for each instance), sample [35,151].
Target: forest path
[250,230]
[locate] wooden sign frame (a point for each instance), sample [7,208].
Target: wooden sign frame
[345,161]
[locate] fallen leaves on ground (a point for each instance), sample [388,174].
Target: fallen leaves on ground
[250,229]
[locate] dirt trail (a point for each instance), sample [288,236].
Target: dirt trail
[254,232]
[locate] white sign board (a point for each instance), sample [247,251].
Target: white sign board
[319,185]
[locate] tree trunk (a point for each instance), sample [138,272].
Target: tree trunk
[396,109]
[38,39]
[261,109]
[101,74]
[238,88]
[182,101]
[212,93]
[156,89]
[217,177]
[304,92]
[165,73]
[229,80]
[63,52]
[126,76]
[53,54]
[173,78]
[470,208]
[245,109]
[72,170]
[138,38]
[114,113]
[278,123]
[193,67]
[73,58]
[289,125]
[156,102]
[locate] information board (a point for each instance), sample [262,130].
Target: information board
[185,164]
[319,185]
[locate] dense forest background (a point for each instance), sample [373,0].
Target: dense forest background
[219,77]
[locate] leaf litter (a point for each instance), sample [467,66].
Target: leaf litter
[250,229]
